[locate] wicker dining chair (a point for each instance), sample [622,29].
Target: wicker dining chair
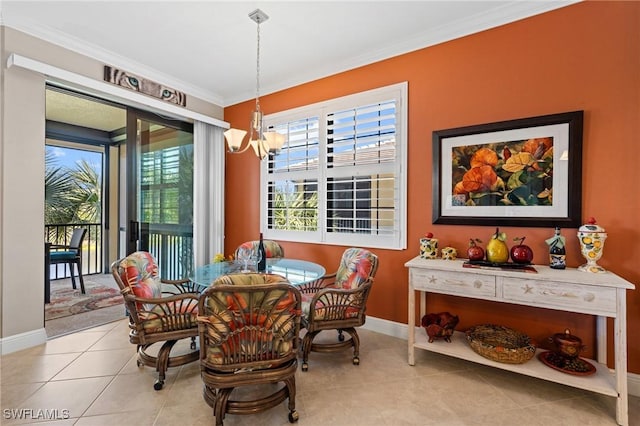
[338,301]
[248,327]
[160,311]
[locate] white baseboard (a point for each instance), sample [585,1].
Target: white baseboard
[21,341]
[399,330]
[634,384]
[389,328]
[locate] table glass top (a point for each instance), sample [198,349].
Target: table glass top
[294,270]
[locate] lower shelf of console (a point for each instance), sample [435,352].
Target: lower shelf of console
[602,381]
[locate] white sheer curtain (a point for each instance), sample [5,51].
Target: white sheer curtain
[208,192]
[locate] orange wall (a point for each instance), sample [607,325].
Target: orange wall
[581,57]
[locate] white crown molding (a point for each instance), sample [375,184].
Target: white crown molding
[514,11]
[108,91]
[109,58]
[511,12]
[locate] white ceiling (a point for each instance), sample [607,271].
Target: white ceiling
[208,48]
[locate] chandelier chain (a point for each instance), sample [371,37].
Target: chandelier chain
[258,69]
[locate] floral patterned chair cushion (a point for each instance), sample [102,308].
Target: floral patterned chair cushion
[271,248]
[252,321]
[139,272]
[357,265]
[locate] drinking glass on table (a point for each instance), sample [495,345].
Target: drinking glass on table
[256,257]
[244,255]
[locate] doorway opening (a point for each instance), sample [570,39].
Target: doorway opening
[125,175]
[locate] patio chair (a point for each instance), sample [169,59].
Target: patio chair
[248,326]
[160,311]
[70,254]
[338,301]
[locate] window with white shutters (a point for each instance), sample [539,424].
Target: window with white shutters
[340,177]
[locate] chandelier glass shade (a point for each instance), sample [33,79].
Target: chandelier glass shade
[262,142]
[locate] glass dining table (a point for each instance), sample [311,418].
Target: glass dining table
[296,271]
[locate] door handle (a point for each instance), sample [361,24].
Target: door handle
[134,231]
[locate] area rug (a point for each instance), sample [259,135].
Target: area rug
[67,301]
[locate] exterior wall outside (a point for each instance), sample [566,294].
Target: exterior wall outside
[22,153]
[584,56]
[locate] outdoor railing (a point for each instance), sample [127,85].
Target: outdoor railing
[171,245]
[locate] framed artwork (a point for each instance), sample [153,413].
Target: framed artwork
[138,84]
[525,172]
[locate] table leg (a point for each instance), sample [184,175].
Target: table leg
[620,345]
[601,343]
[411,331]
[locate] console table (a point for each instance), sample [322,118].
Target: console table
[603,295]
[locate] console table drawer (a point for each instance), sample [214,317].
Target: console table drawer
[456,283]
[560,295]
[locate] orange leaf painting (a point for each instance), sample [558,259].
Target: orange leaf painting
[538,146]
[484,156]
[459,189]
[479,179]
[479,173]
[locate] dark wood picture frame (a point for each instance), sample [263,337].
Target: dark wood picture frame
[477,182]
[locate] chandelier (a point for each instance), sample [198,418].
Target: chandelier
[262,142]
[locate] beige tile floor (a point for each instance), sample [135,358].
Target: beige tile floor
[93,375]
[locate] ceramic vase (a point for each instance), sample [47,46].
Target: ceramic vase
[591,237]
[428,248]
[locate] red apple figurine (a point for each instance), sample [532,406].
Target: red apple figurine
[475,252]
[521,253]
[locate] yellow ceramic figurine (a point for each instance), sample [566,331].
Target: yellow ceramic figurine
[497,250]
[449,253]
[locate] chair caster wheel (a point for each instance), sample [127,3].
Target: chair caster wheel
[138,363]
[305,366]
[341,337]
[293,417]
[356,361]
[158,385]
[193,346]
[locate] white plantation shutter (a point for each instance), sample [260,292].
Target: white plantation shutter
[340,178]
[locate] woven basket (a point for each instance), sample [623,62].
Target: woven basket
[501,344]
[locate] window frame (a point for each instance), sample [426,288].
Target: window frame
[398,239]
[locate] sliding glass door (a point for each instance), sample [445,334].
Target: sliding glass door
[159,191]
